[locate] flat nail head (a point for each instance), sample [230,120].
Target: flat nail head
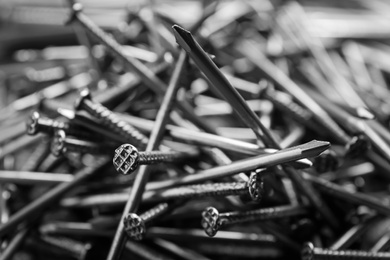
[32,123]
[84,94]
[326,161]
[210,221]
[255,187]
[126,159]
[57,145]
[134,226]
[357,146]
[307,251]
[75,8]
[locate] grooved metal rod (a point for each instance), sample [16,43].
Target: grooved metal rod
[151,196]
[256,162]
[142,175]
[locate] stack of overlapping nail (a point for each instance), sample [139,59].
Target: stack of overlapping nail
[140,139]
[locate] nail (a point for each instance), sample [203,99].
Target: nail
[135,226]
[220,83]
[195,235]
[110,120]
[310,149]
[212,220]
[253,188]
[358,112]
[309,252]
[127,158]
[38,124]
[88,122]
[62,144]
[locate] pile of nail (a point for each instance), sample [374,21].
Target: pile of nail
[195,130]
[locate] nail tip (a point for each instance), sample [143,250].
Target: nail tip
[364,113]
[315,148]
[183,37]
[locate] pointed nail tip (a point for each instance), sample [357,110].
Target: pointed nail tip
[365,113]
[316,147]
[322,143]
[183,37]
[180,29]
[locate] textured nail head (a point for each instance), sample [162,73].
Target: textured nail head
[210,221]
[57,145]
[134,226]
[32,123]
[126,159]
[307,251]
[255,187]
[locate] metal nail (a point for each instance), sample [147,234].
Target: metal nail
[127,158]
[309,252]
[212,220]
